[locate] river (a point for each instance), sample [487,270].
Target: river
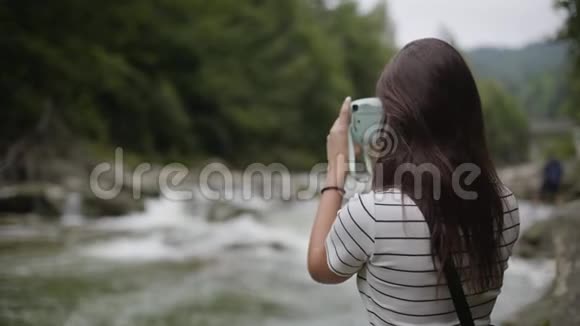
[168,266]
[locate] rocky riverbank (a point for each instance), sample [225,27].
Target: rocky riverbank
[558,238]
[554,238]
[526,179]
[53,194]
[122,190]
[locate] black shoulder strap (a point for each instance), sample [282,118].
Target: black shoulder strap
[456,291]
[457,294]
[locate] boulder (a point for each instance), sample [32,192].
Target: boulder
[48,200]
[537,240]
[122,204]
[560,305]
[32,198]
[221,211]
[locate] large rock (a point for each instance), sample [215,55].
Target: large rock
[221,211]
[524,180]
[571,186]
[560,306]
[48,200]
[537,240]
[122,204]
[31,198]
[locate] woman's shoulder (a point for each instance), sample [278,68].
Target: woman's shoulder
[508,198]
[385,203]
[361,204]
[390,196]
[510,210]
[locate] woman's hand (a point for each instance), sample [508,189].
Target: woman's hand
[337,147]
[330,201]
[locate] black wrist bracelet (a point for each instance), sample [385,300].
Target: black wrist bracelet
[341,190]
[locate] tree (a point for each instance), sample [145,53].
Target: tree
[571,32]
[244,81]
[506,125]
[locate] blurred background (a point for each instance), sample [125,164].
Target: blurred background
[240,82]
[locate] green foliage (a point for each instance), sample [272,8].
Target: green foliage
[506,125]
[532,73]
[544,95]
[557,146]
[571,32]
[241,80]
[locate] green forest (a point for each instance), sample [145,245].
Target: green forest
[571,32]
[192,80]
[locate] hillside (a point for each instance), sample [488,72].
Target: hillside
[535,74]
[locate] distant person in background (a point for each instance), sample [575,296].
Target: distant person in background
[552,179]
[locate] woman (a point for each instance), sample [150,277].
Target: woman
[450,209]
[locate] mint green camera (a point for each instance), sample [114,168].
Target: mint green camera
[365,123]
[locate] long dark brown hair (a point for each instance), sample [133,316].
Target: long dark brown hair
[434,110]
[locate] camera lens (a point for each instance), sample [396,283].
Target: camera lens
[355,108]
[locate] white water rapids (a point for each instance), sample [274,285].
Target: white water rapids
[169,266]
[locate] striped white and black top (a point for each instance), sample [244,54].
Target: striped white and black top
[390,252]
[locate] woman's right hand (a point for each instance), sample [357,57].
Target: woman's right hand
[337,145]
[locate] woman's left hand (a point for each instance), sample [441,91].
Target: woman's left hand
[337,145]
